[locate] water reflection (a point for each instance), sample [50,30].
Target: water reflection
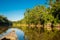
[19,33]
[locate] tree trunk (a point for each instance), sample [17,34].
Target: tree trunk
[52,26]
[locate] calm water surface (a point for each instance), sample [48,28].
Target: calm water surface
[19,33]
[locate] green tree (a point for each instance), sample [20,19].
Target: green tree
[4,23]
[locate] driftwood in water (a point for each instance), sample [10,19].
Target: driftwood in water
[11,36]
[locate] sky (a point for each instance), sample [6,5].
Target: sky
[14,9]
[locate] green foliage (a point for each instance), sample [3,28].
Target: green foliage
[35,34]
[42,16]
[4,24]
[4,21]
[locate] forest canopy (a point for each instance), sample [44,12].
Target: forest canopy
[4,22]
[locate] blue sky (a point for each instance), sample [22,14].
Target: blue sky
[14,9]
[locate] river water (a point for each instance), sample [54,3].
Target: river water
[19,33]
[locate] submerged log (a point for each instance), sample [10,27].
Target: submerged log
[10,36]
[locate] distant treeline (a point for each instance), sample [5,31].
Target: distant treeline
[4,22]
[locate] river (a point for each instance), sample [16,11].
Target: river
[19,33]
